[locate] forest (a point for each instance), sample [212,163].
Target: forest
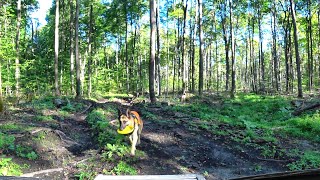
[226,88]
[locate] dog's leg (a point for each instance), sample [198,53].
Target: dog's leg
[134,141]
[139,134]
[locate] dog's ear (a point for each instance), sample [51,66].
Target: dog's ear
[128,112]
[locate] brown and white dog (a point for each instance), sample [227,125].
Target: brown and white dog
[131,118]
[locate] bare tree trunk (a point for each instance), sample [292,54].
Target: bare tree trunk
[71,28]
[17,61]
[194,50]
[233,68]
[201,53]
[90,50]
[226,46]
[152,50]
[296,48]
[184,81]
[274,45]
[310,49]
[56,51]
[158,68]
[261,57]
[78,82]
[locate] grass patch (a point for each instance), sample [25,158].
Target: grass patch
[9,168]
[309,160]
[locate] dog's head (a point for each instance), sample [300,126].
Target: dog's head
[125,119]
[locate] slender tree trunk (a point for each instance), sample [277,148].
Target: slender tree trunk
[56,51]
[226,46]
[90,51]
[194,50]
[152,50]
[201,53]
[296,48]
[78,82]
[274,45]
[233,68]
[71,28]
[158,68]
[310,49]
[17,61]
[261,57]
[184,80]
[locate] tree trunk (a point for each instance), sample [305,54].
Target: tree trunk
[78,82]
[194,50]
[56,51]
[152,50]
[158,68]
[200,50]
[310,49]
[90,51]
[296,48]
[226,46]
[261,57]
[71,28]
[17,61]
[233,68]
[184,81]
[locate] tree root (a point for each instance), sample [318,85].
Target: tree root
[42,172]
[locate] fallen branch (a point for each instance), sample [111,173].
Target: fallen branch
[82,112]
[65,138]
[42,172]
[306,108]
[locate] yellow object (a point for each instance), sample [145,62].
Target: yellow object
[126,130]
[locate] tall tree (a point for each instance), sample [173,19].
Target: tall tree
[152,50]
[201,53]
[184,64]
[90,50]
[17,73]
[56,51]
[71,37]
[78,82]
[233,66]
[293,13]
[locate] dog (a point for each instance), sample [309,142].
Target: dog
[131,118]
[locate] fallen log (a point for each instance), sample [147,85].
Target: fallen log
[306,108]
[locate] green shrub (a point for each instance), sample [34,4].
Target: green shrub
[124,169]
[26,152]
[9,168]
[309,160]
[6,141]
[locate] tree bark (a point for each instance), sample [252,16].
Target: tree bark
[233,68]
[296,48]
[158,68]
[90,51]
[184,80]
[56,51]
[152,50]
[201,53]
[78,81]
[71,29]
[17,61]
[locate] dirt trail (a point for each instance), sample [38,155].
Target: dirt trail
[173,148]
[170,146]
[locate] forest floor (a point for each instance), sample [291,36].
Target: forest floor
[60,143]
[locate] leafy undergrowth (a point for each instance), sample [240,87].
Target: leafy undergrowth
[115,158]
[262,122]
